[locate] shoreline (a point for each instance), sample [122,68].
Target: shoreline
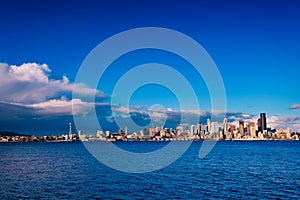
[104,141]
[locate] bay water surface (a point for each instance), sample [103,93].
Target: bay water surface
[233,169]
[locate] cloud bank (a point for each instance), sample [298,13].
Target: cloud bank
[30,83]
[28,95]
[31,100]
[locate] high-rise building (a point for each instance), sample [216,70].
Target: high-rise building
[241,127]
[259,125]
[214,127]
[263,121]
[208,125]
[288,133]
[251,129]
[192,130]
[199,128]
[225,126]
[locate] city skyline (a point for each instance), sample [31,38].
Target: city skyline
[209,127]
[211,131]
[255,46]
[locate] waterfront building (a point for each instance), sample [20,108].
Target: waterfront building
[251,129]
[283,134]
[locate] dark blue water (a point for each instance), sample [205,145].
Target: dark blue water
[255,170]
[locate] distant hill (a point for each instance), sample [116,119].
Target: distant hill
[8,133]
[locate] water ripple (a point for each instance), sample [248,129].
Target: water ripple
[234,170]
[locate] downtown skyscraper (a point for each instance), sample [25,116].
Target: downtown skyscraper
[262,122]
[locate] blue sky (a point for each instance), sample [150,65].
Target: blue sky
[255,45]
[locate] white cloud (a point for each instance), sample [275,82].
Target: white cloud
[30,83]
[122,109]
[284,122]
[246,115]
[169,109]
[29,86]
[29,72]
[62,107]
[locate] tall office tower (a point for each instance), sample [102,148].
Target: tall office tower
[196,130]
[259,125]
[199,127]
[221,136]
[225,127]
[241,127]
[251,128]
[192,130]
[263,121]
[126,130]
[288,133]
[208,125]
[214,127]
